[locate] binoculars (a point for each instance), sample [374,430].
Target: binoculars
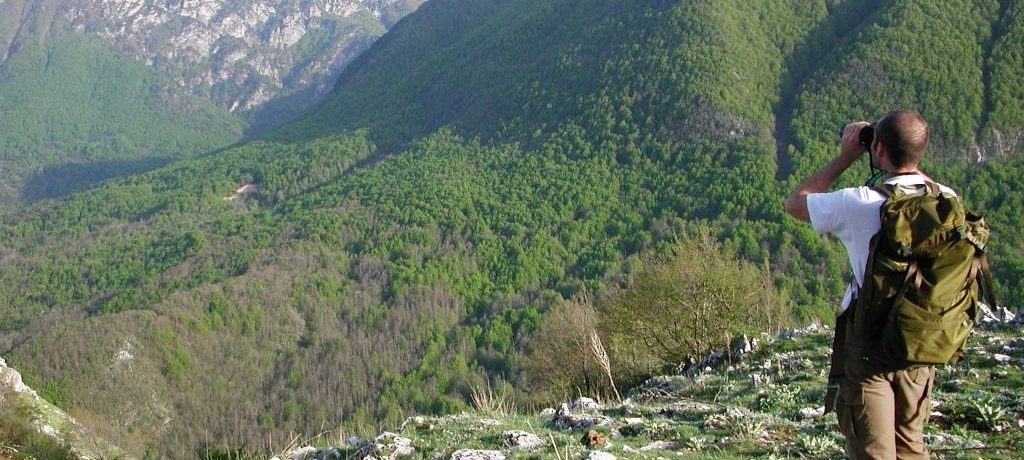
[866,136]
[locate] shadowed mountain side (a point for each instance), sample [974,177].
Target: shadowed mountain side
[824,42]
[426,73]
[70,99]
[57,181]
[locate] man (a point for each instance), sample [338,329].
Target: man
[881,413]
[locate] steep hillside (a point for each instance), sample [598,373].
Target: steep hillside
[398,245]
[240,55]
[31,427]
[73,113]
[99,89]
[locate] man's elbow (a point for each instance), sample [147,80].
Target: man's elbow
[796,206]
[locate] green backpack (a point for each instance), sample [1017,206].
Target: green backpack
[926,273]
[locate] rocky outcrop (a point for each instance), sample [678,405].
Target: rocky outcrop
[240,54]
[311,453]
[998,318]
[48,420]
[10,380]
[566,417]
[387,446]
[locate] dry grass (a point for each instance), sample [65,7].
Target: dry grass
[487,401]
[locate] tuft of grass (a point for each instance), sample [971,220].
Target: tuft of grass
[487,401]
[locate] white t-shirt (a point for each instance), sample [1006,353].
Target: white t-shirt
[852,215]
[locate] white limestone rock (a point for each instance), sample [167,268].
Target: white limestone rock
[523,440]
[387,446]
[659,445]
[565,418]
[486,423]
[812,412]
[585,404]
[469,454]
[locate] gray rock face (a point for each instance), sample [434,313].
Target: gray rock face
[660,445]
[486,423]
[11,379]
[585,404]
[240,53]
[741,345]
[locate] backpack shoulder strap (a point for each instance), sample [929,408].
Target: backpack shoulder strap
[890,190]
[887,190]
[985,276]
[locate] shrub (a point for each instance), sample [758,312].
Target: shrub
[685,305]
[561,360]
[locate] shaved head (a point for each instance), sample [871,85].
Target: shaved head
[905,135]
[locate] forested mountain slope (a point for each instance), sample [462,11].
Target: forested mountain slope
[73,112]
[481,162]
[93,89]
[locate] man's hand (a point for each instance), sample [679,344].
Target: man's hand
[850,151]
[849,146]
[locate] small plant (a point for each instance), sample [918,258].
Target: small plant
[748,428]
[776,398]
[989,415]
[818,446]
[697,443]
[657,428]
[726,388]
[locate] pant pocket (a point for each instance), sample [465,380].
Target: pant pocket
[923,375]
[844,413]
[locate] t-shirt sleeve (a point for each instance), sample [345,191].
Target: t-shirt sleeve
[825,210]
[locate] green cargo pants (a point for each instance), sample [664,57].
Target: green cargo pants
[882,414]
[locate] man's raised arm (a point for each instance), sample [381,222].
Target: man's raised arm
[850,150]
